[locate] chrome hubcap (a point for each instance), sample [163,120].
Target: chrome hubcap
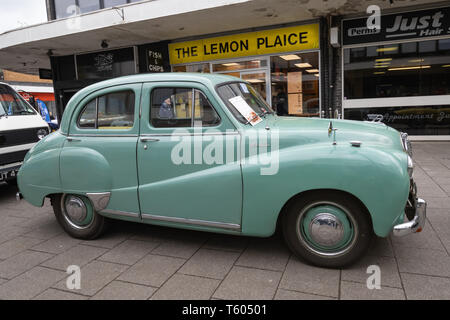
[76,209]
[326,229]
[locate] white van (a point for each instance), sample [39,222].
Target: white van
[20,128]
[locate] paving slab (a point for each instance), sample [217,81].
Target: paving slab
[22,262]
[30,284]
[129,252]
[54,294]
[185,287]
[390,275]
[269,254]
[108,240]
[423,261]
[420,287]
[118,290]
[283,294]
[58,244]
[16,245]
[359,291]
[46,231]
[308,279]
[152,270]
[180,249]
[94,277]
[249,284]
[210,263]
[78,255]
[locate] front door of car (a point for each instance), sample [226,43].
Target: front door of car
[188,165]
[99,155]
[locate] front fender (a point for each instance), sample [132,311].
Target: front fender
[378,178]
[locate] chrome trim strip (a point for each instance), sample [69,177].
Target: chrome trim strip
[100,200]
[102,135]
[191,134]
[121,213]
[221,225]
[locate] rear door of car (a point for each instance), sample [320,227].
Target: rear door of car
[99,154]
[187,156]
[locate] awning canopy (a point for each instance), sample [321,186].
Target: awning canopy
[27,49]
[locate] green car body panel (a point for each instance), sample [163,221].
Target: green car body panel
[145,183]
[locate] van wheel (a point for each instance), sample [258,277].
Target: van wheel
[77,216]
[327,229]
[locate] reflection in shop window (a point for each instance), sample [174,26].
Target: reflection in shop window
[199,67]
[295,84]
[398,70]
[62,8]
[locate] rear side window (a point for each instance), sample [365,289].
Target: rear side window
[111,111]
[181,107]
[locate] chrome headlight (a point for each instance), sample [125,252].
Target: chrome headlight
[406,143]
[41,133]
[410,166]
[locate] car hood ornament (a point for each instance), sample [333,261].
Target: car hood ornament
[331,131]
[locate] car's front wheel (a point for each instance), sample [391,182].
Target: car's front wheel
[327,229]
[76,214]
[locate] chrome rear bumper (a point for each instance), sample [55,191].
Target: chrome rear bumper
[416,224]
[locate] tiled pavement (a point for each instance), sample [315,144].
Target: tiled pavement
[133,261]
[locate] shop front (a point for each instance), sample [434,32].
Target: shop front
[282,64]
[400,71]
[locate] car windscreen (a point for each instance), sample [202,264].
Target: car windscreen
[12,104]
[231,90]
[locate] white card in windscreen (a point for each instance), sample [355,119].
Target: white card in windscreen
[247,112]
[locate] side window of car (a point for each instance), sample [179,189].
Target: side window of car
[88,117]
[204,113]
[110,111]
[175,107]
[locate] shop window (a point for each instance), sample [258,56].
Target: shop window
[88,5]
[198,67]
[172,108]
[110,111]
[414,120]
[113,3]
[239,65]
[106,64]
[65,8]
[295,84]
[399,70]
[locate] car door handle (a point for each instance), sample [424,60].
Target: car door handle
[143,139]
[73,140]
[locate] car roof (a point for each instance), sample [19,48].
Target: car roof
[205,78]
[212,78]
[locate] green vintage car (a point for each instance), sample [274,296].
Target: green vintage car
[205,152]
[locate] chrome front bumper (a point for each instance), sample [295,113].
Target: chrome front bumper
[416,224]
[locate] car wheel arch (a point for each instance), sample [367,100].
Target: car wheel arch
[299,195]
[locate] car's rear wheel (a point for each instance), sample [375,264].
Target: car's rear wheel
[327,229]
[76,214]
